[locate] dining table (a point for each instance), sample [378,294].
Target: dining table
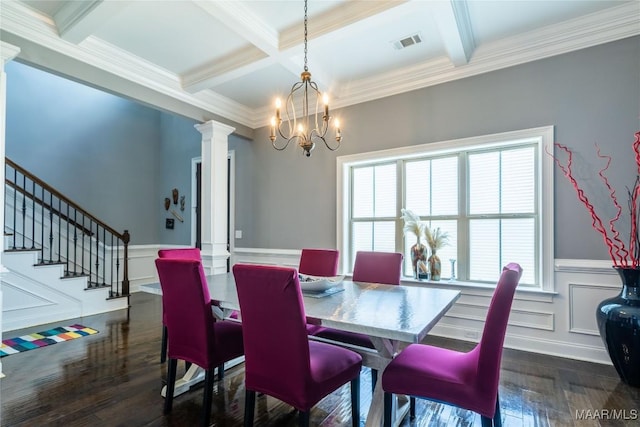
[391,315]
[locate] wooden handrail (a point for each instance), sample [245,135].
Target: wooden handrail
[48,207]
[64,198]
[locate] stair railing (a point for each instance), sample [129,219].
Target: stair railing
[39,217]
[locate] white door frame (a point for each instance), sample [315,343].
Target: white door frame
[231,155]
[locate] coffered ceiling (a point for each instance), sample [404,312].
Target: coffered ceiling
[233,58]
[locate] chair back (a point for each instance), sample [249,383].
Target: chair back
[319,262]
[274,330]
[187,311]
[378,267]
[495,328]
[181,253]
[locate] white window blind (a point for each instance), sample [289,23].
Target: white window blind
[487,193]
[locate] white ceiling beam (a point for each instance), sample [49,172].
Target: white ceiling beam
[237,64]
[241,20]
[77,20]
[454,25]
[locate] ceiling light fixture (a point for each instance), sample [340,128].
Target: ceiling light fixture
[298,101]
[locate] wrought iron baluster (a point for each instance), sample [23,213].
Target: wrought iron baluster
[111,292]
[97,254]
[82,248]
[59,230]
[33,215]
[42,226]
[75,241]
[67,240]
[50,227]
[24,210]
[15,202]
[90,253]
[104,256]
[118,266]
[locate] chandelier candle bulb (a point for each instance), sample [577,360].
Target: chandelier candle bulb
[325,99]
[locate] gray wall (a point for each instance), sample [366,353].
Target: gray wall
[590,96]
[180,142]
[116,158]
[98,149]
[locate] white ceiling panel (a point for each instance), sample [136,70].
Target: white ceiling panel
[233,57]
[175,35]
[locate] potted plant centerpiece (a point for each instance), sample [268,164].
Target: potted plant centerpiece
[413,225]
[436,239]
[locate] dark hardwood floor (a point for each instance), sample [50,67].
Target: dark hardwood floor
[114,379]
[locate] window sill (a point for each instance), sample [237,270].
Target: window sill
[521,292]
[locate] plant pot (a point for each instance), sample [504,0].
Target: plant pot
[435,266]
[619,325]
[418,253]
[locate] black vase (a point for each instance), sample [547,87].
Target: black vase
[619,325]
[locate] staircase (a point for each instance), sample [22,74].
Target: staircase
[62,262]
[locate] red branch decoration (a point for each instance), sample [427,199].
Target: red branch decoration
[620,255]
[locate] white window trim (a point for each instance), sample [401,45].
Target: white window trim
[542,136]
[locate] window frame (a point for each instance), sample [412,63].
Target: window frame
[541,137]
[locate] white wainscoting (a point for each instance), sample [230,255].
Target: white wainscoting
[561,323]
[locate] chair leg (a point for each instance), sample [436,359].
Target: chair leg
[249,407]
[163,345]
[497,418]
[387,409]
[209,377]
[486,421]
[412,407]
[374,379]
[221,372]
[171,383]
[355,401]
[303,419]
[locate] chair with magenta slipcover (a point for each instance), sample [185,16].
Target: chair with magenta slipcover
[196,336]
[369,267]
[468,380]
[318,262]
[179,253]
[280,361]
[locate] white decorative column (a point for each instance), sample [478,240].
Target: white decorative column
[214,199]
[7,53]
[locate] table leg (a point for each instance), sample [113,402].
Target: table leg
[195,375]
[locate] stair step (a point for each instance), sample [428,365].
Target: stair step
[71,274]
[21,249]
[44,263]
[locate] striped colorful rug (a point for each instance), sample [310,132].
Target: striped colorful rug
[43,339]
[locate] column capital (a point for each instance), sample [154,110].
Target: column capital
[8,52]
[212,128]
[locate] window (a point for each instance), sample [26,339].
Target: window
[491,194]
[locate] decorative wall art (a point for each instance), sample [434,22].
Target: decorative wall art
[175,197]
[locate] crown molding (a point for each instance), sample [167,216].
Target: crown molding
[8,52]
[597,28]
[40,29]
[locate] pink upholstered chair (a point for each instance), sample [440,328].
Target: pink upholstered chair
[370,267]
[280,361]
[467,380]
[196,337]
[180,253]
[318,262]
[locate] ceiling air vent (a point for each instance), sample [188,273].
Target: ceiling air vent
[407,41]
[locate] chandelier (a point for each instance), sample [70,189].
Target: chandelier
[312,126]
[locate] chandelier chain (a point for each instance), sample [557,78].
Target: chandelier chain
[305,36]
